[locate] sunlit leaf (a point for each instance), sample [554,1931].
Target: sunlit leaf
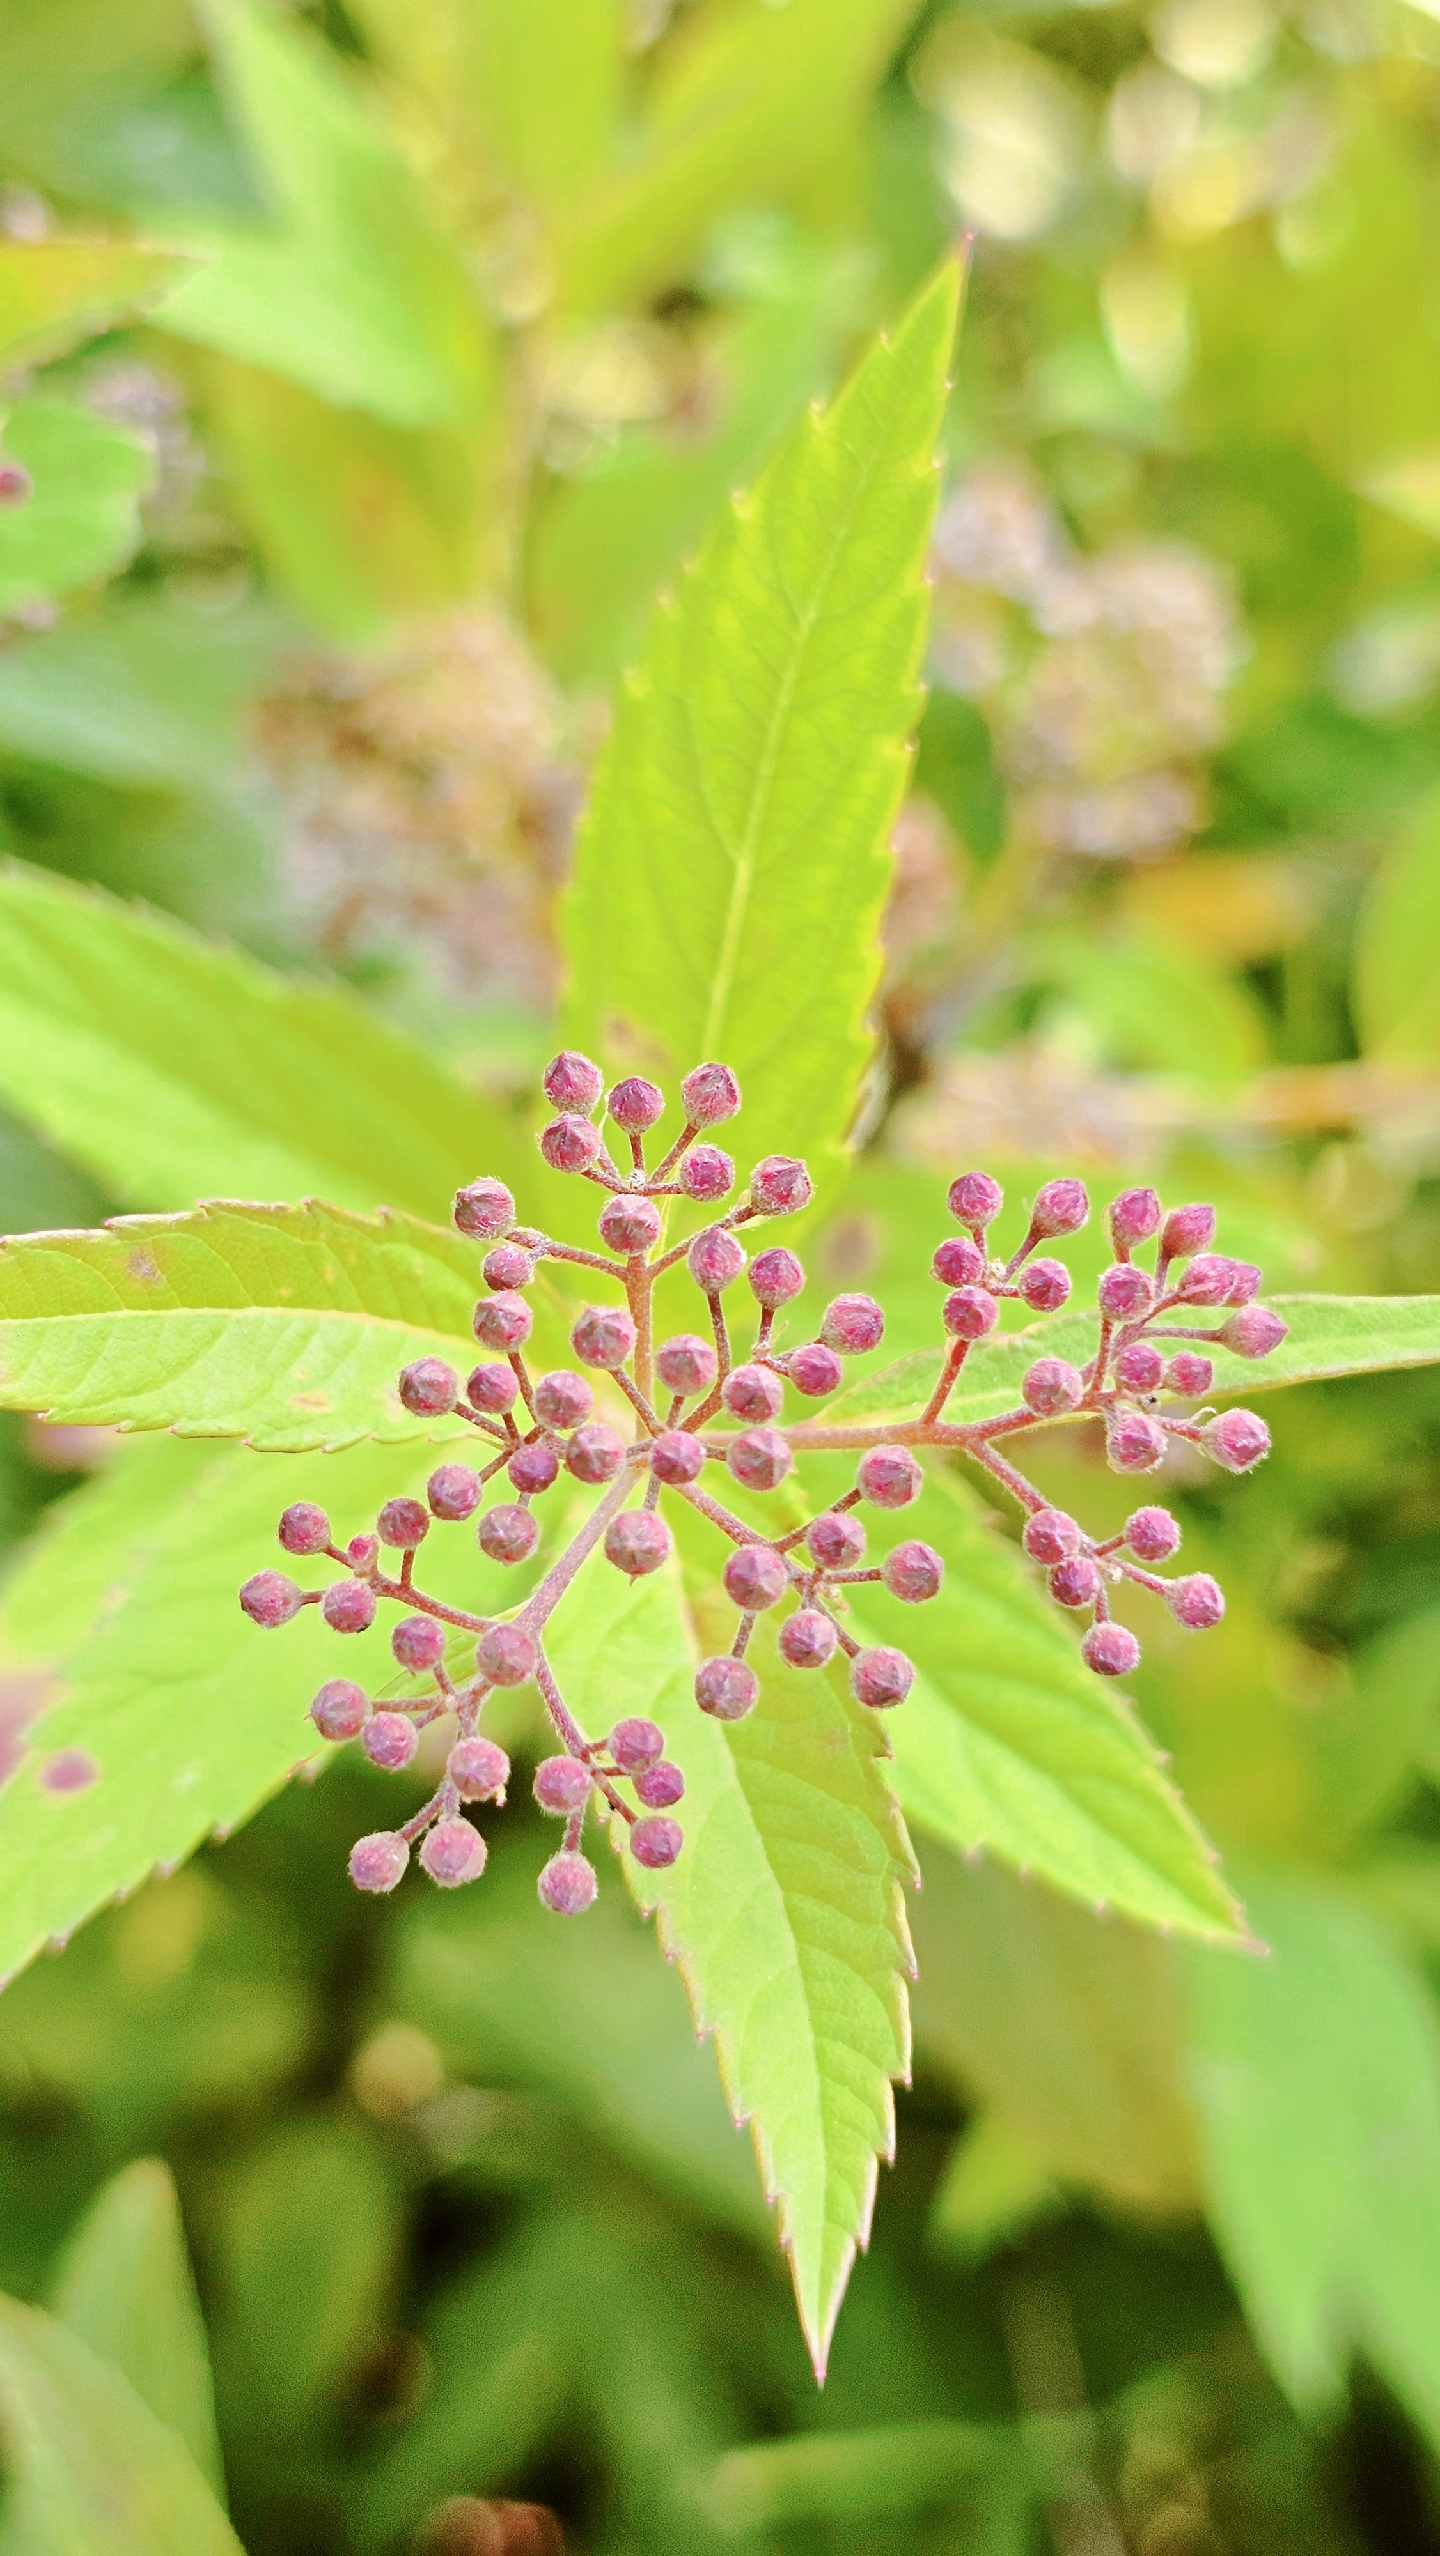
[82,514]
[1397,970]
[125,2286]
[55,292]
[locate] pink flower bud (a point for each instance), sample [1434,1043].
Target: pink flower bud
[1110,1650]
[1134,1443]
[958,1262]
[348,1607]
[760,1459]
[660,1787]
[507,1533]
[502,1322]
[1051,1536]
[1237,1440]
[533,1468]
[429,1387]
[1197,1602]
[836,1540]
[636,1104]
[629,1225]
[655,1843]
[604,1336]
[707,1174]
[571,1082]
[714,1260]
[780,1185]
[1208,1279]
[637,1542]
[686,1364]
[726,1689]
[567,1885]
[968,1313]
[709,1094]
[362,1551]
[755,1577]
[378,1862]
[752,1393]
[485,1210]
[418,1642]
[1190,1374]
[807,1640]
[453,1852]
[813,1369]
[563,1399]
[1139,1368]
[881,1678]
[492,1389]
[505,1655]
[889,1477]
[1124,1291]
[339,1709]
[1075,1582]
[1061,1207]
[1245,1282]
[852,1324]
[677,1456]
[1133,1217]
[402,1524]
[636,1744]
[595,1453]
[913,1572]
[305,1529]
[975,1200]
[390,1741]
[776,1276]
[1152,1534]
[508,1265]
[1186,1229]
[1051,1387]
[570,1144]
[1045,1286]
[478,1769]
[562,1785]
[1253,1332]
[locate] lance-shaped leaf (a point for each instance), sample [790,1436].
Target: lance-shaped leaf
[125,2286]
[1008,1742]
[172,1070]
[286,1326]
[733,863]
[784,1911]
[55,292]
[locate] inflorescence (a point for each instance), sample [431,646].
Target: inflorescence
[683,1396]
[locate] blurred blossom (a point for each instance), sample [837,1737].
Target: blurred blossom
[1231,172]
[1014,128]
[999,529]
[24,215]
[1155,117]
[1390,661]
[1147,320]
[1147,814]
[1217,42]
[151,406]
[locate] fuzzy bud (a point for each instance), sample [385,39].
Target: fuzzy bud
[707,1174]
[637,1542]
[1075,1582]
[478,1769]
[418,1642]
[429,1387]
[485,1210]
[492,1389]
[726,1689]
[567,1885]
[881,1678]
[1134,1443]
[390,1741]
[339,1710]
[1196,1601]
[507,1533]
[595,1453]
[1139,1367]
[1245,1282]
[752,1393]
[755,1577]
[1111,1650]
[836,1540]
[562,1785]
[913,1571]
[760,1459]
[1253,1332]
[636,1744]
[1045,1286]
[1051,1387]
[1237,1440]
[709,1094]
[686,1364]
[304,1528]
[968,1313]
[563,1399]
[1051,1536]
[378,1862]
[655,1843]
[676,1456]
[813,1369]
[505,1655]
[604,1336]
[975,1200]
[533,1468]
[362,1552]
[570,1144]
[453,1852]
[1132,1218]
[348,1607]
[629,1225]
[807,1640]
[1152,1534]
[715,1260]
[776,1276]
[508,1265]
[852,1324]
[502,1322]
[1208,1280]
[780,1186]
[1186,1229]
[661,1786]
[1124,1291]
[635,1104]
[889,1477]
[958,1262]
[1190,1374]
[571,1081]
[402,1524]
[1061,1207]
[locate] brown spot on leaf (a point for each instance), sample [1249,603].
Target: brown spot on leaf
[143,1265]
[310,1402]
[70,1770]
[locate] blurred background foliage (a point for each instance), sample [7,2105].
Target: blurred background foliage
[371,368]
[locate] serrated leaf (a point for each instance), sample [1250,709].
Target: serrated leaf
[784,1912]
[171,1069]
[124,2285]
[1317,2075]
[1008,1743]
[353,289]
[286,1326]
[1329,1336]
[53,293]
[82,515]
[733,861]
[87,2466]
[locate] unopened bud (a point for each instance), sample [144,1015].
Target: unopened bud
[604,1336]
[637,1542]
[677,1456]
[1110,1650]
[709,1094]
[1133,1217]
[571,1082]
[1186,1229]
[913,1571]
[1190,1374]
[507,1533]
[814,1370]
[852,1324]
[478,1769]
[563,1399]
[1052,1386]
[418,1642]
[975,1200]
[661,1786]
[637,1743]
[390,1741]
[1045,1286]
[1051,1536]
[402,1524]
[348,1606]
[889,1477]
[339,1709]
[715,1260]
[807,1640]
[881,1678]
[755,1577]
[776,1276]
[752,1393]
[1139,1368]
[509,1264]
[1208,1280]
[1075,1582]
[562,1785]
[1197,1601]
[533,1468]
[505,1655]
[1124,1291]
[502,1322]
[378,1862]
[304,1528]
[596,1452]
[453,1852]
[726,1689]
[759,1458]
[629,1225]
[780,1185]
[567,1885]
[485,1210]
[707,1174]
[429,1387]
[958,1262]
[1061,1207]
[1152,1534]
[655,1843]
[968,1313]
[1253,1332]
[570,1144]
[836,1540]
[492,1389]
[1237,1440]
[1134,1443]
[686,1364]
[635,1104]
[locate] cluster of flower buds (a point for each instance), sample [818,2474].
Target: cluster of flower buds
[690,1407]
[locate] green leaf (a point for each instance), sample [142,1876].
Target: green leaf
[1397,970]
[1148,1000]
[53,293]
[171,1069]
[353,290]
[149,691]
[82,516]
[1329,1336]
[87,2466]
[996,2186]
[895,2472]
[125,2286]
[784,1913]
[733,863]
[1008,1743]
[286,1326]
[1317,2075]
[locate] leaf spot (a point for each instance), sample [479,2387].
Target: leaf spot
[70,1770]
[142,1264]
